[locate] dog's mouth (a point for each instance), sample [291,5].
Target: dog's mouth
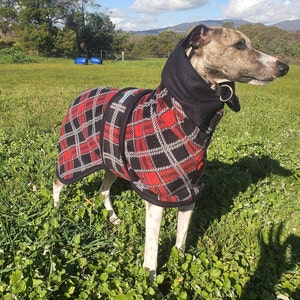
[254,81]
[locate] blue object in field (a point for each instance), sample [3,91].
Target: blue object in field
[81,61]
[96,60]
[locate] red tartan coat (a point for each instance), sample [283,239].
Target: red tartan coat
[140,135]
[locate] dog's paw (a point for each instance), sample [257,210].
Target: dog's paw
[282,297]
[114,221]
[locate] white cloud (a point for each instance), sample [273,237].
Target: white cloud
[127,20]
[123,19]
[115,15]
[120,19]
[160,6]
[264,11]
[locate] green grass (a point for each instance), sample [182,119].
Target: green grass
[38,95]
[244,239]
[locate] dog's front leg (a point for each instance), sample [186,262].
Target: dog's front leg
[183,222]
[153,221]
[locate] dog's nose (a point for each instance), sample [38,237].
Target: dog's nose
[282,68]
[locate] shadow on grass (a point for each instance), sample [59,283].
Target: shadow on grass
[224,182]
[273,263]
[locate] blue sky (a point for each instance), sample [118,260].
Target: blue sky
[151,14]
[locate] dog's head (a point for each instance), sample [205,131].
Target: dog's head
[221,54]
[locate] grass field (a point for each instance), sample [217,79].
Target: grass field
[244,240]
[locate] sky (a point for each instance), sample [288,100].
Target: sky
[152,14]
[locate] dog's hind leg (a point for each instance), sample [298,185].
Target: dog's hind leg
[153,220]
[108,180]
[57,187]
[183,222]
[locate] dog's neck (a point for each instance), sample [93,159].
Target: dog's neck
[199,101]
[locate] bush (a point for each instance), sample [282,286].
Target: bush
[13,56]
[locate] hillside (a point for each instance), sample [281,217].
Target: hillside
[289,25]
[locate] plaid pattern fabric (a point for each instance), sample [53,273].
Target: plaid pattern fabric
[145,138]
[113,128]
[165,151]
[79,141]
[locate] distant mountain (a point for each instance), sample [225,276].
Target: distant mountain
[289,25]
[184,27]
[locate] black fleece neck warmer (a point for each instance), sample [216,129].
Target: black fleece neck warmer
[198,100]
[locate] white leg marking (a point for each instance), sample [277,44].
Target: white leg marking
[108,180]
[153,220]
[183,222]
[57,187]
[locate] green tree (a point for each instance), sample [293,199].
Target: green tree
[98,32]
[76,19]
[8,15]
[123,41]
[57,26]
[65,43]
[36,23]
[156,45]
[40,38]
[167,40]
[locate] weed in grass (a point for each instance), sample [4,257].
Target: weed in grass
[13,56]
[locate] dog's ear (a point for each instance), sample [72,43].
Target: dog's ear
[197,36]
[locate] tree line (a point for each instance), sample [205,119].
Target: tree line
[55,27]
[67,28]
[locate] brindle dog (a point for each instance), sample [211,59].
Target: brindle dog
[212,56]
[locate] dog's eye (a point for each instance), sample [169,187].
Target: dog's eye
[240,45]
